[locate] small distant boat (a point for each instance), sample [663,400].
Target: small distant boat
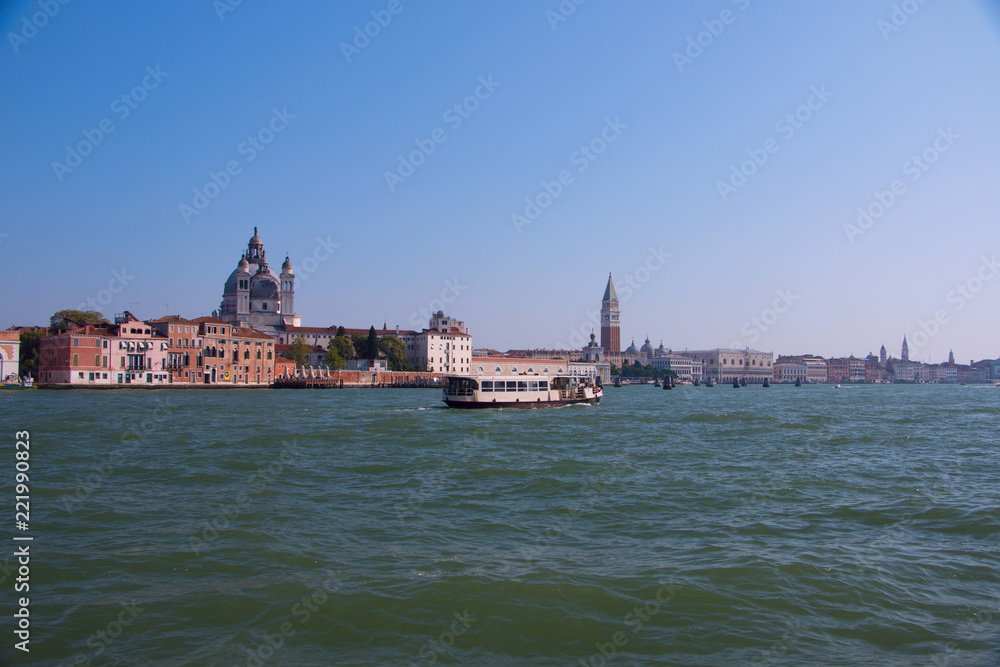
[12,381]
[837,386]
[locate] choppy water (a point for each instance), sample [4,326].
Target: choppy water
[783,526]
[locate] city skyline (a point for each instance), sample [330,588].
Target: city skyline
[723,162]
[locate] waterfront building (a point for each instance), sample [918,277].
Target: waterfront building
[444,347]
[257,296]
[685,367]
[184,347]
[815,368]
[907,371]
[874,372]
[235,355]
[726,364]
[129,351]
[972,374]
[845,369]
[10,353]
[790,371]
[942,373]
[610,320]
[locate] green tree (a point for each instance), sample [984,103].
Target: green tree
[344,347]
[371,348]
[360,342]
[30,343]
[333,358]
[395,351]
[298,352]
[341,331]
[59,319]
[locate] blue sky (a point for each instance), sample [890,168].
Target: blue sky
[663,130]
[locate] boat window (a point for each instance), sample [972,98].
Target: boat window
[533,385]
[487,385]
[543,385]
[511,385]
[522,385]
[498,386]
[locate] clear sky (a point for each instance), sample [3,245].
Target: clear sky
[318,125]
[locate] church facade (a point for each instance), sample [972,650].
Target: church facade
[256,296]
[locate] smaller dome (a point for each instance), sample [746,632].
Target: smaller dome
[287,266]
[255,240]
[646,347]
[631,349]
[244,265]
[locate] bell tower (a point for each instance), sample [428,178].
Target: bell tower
[610,320]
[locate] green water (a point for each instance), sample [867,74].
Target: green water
[782,526]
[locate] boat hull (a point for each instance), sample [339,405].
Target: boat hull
[476,405]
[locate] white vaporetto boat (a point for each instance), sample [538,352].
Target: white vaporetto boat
[519,391]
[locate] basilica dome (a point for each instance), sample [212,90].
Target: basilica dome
[646,348]
[632,349]
[263,285]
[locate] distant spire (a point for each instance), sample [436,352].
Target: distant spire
[609,291]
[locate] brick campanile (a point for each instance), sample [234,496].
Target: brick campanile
[611,341]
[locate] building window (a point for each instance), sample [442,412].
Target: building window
[97,360]
[76,361]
